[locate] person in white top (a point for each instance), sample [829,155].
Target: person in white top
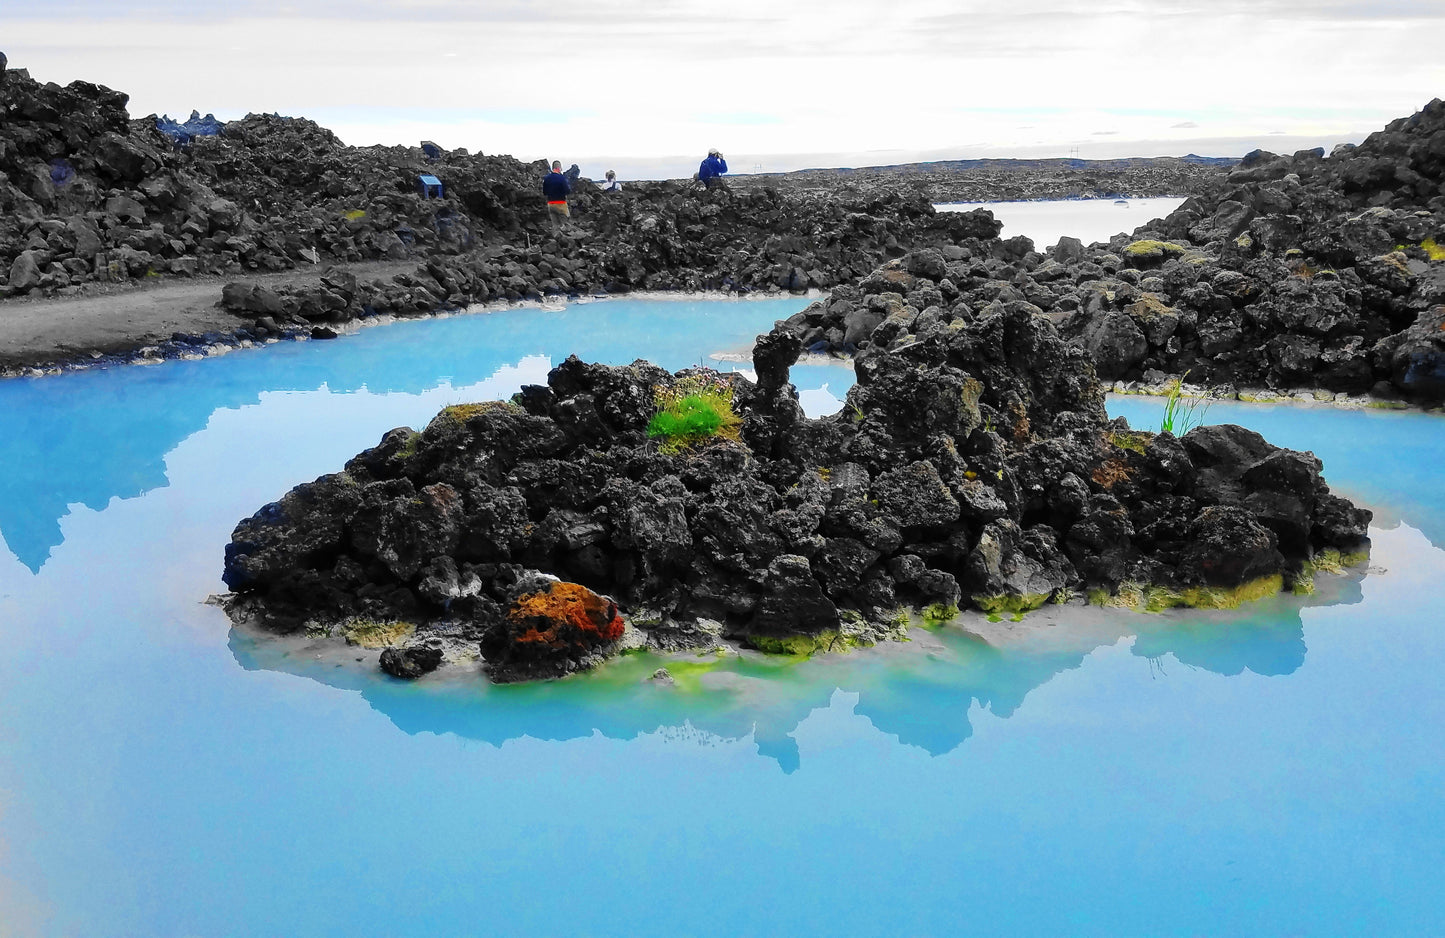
[612,185]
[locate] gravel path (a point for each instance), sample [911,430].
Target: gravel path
[121,318]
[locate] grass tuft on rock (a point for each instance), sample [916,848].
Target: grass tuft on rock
[1182,414]
[695,409]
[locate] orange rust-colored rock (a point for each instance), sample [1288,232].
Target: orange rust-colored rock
[566,618]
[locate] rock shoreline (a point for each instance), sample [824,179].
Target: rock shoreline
[192,347]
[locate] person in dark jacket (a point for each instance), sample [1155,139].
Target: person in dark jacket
[711,170]
[555,188]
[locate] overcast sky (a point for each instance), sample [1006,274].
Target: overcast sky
[775,84]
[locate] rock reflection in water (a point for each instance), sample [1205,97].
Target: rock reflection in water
[922,691]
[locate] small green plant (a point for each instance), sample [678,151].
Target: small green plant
[694,409]
[1182,414]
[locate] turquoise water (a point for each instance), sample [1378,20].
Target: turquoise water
[1089,220]
[1273,771]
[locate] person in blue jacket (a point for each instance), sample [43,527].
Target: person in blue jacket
[711,170]
[555,188]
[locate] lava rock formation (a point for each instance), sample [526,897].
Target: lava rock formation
[973,464]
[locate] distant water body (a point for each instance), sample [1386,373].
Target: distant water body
[1275,770]
[1089,220]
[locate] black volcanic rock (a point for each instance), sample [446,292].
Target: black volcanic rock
[1304,271]
[107,198]
[1289,272]
[1001,180]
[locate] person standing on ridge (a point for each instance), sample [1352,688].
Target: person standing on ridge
[711,171]
[555,189]
[612,185]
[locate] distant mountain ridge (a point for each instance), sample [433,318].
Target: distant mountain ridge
[1009,179]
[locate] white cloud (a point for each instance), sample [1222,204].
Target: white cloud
[756,76]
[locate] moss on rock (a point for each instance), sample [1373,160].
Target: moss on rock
[938,613]
[1150,250]
[800,646]
[464,412]
[369,633]
[1012,604]
[1136,441]
[1154,598]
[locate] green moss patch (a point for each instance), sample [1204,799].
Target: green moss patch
[800,646]
[938,613]
[1326,561]
[409,448]
[464,412]
[1136,441]
[1013,605]
[1151,250]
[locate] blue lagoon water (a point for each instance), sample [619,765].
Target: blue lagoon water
[1089,220]
[1272,771]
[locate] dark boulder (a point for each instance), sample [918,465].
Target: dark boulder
[1414,358]
[550,628]
[248,297]
[1116,343]
[412,662]
[1228,547]
[793,605]
[24,272]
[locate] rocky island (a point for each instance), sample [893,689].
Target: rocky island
[973,465]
